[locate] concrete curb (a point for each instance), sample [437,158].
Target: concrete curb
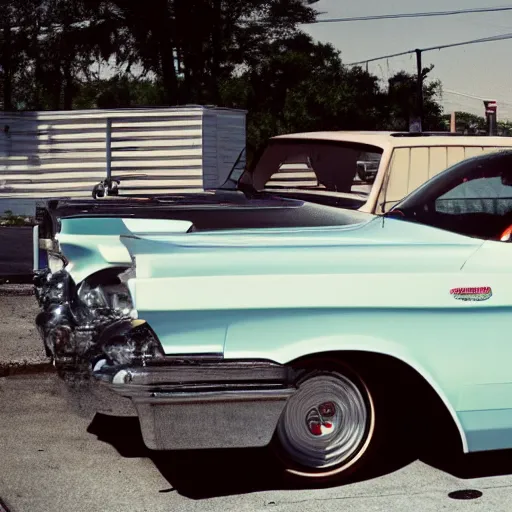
[11,289]
[16,279]
[25,368]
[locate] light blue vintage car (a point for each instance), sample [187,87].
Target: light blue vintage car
[225,331]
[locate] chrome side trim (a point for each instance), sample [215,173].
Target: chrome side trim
[183,390]
[206,356]
[180,372]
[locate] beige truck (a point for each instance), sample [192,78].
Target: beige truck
[368,171]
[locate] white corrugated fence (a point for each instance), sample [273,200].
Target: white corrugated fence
[63,154]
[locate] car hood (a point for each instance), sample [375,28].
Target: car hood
[207,211]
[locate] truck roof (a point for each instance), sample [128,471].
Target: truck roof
[385,140]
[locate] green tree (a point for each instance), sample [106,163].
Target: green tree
[505,128]
[48,49]
[469,123]
[246,54]
[299,85]
[402,101]
[192,46]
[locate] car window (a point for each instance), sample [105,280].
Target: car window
[298,172]
[473,197]
[411,167]
[481,195]
[472,178]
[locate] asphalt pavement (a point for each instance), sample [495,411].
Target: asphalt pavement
[21,348]
[55,457]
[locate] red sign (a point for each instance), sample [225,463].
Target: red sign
[472,293]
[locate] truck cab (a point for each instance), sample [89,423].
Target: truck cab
[367,171]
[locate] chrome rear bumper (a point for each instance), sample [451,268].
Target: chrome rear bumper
[194,405]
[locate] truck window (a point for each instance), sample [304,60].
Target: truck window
[317,166]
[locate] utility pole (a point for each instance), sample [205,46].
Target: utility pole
[453,122]
[419,92]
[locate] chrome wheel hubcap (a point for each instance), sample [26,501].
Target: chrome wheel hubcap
[324,423]
[320,419]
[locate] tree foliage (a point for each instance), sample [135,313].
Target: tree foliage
[250,54]
[471,124]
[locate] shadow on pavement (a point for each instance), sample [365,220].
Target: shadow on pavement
[474,465]
[202,474]
[196,474]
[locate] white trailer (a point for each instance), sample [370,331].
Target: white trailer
[63,154]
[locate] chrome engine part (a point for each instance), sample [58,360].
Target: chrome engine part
[95,321]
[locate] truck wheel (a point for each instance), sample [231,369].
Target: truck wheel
[327,426]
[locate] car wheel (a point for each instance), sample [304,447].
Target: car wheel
[327,426]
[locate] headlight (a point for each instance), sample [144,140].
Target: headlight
[115,297]
[55,262]
[92,297]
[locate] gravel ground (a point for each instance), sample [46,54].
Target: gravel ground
[20,344]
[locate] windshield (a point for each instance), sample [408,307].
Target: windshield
[317,165]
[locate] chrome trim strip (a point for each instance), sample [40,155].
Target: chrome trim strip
[203,356]
[194,373]
[213,396]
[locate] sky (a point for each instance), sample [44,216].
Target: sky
[481,70]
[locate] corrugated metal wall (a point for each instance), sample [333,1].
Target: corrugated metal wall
[224,138]
[63,154]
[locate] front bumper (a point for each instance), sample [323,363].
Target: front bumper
[116,365]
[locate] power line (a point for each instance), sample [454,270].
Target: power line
[464,95]
[470,96]
[414,15]
[419,52]
[500,37]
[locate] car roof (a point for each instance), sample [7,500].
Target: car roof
[387,140]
